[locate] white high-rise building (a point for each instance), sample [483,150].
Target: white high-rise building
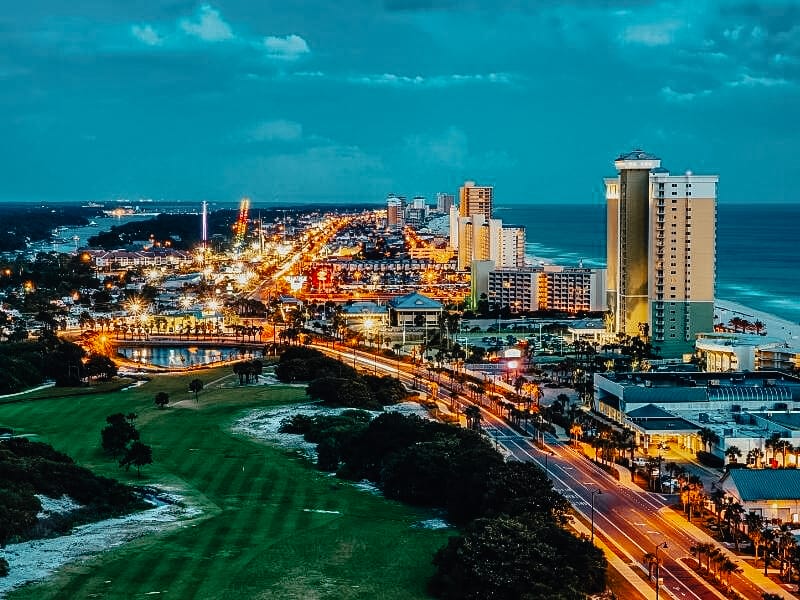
[513,247]
[454,227]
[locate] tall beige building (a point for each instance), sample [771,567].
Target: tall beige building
[661,244]
[475,200]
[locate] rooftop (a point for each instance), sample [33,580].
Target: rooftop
[414,301]
[676,379]
[637,154]
[766,484]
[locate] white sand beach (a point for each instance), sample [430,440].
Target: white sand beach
[775,326]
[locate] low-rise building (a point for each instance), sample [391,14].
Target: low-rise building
[414,310]
[774,494]
[548,287]
[742,409]
[746,352]
[142,258]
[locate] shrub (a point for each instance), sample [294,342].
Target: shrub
[709,460]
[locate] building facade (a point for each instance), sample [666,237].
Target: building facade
[444,202]
[551,287]
[394,212]
[661,248]
[475,200]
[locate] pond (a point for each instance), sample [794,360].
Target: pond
[184,357]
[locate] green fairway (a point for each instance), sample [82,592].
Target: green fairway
[260,536]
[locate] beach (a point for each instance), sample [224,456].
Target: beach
[774,326]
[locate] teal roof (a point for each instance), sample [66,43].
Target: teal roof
[650,411]
[414,301]
[766,484]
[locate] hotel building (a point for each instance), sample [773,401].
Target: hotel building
[661,252]
[394,212]
[568,289]
[475,200]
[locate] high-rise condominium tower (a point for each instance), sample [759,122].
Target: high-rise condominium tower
[661,252]
[475,200]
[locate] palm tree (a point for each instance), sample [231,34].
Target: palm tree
[708,437]
[732,452]
[768,537]
[473,415]
[784,447]
[754,457]
[576,431]
[733,517]
[771,442]
[728,567]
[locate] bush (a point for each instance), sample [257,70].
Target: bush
[709,460]
[29,468]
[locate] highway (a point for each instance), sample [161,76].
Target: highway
[629,522]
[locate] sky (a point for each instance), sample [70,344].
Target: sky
[348,101]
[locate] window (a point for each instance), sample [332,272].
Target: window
[674,193]
[675,185]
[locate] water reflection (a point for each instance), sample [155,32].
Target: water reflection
[183,357]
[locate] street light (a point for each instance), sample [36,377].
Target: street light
[661,545]
[546,469]
[593,492]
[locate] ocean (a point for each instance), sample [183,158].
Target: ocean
[756,247]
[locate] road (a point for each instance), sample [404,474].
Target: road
[629,522]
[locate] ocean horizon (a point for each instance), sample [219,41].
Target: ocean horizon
[755,248]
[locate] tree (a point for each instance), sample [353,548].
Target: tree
[473,416]
[196,386]
[772,442]
[784,447]
[116,436]
[709,437]
[732,452]
[514,559]
[101,366]
[162,399]
[138,455]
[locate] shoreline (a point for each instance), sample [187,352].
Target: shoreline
[776,327]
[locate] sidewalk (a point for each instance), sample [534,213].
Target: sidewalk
[751,573]
[622,567]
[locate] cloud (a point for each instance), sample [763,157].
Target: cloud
[290,47]
[671,95]
[748,81]
[651,34]
[146,34]
[279,130]
[433,81]
[207,25]
[448,149]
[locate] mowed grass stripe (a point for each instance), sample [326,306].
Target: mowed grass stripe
[227,521]
[161,576]
[276,549]
[236,547]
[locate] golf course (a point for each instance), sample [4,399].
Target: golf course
[270,524]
